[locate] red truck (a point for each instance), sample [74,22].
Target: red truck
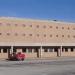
[19,56]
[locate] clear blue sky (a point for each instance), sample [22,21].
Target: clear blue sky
[62,10]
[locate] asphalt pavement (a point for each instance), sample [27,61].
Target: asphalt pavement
[55,66]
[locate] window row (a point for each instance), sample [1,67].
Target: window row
[38,35]
[30,50]
[56,50]
[38,26]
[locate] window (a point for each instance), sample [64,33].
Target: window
[66,49]
[73,28]
[72,50]
[0,33]
[74,36]
[0,50]
[4,50]
[30,34]
[35,50]
[68,28]
[16,34]
[23,25]
[23,34]
[37,26]
[44,35]
[50,35]
[16,24]
[56,49]
[8,24]
[62,35]
[8,34]
[56,27]
[50,26]
[38,35]
[30,25]
[14,50]
[0,24]
[62,27]
[44,26]
[30,50]
[45,50]
[24,50]
[50,50]
[68,36]
[56,35]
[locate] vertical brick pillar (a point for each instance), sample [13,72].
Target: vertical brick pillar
[11,50]
[40,52]
[60,51]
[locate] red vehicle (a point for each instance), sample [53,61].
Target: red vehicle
[19,56]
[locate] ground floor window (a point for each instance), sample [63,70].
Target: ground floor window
[29,50]
[55,50]
[45,50]
[50,50]
[35,50]
[14,50]
[0,50]
[66,49]
[24,50]
[72,50]
[4,50]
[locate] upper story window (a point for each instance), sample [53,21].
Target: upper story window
[74,36]
[23,25]
[62,35]
[68,28]
[73,28]
[0,24]
[24,34]
[50,35]
[44,35]
[44,26]
[62,27]
[30,34]
[68,36]
[56,27]
[38,35]
[8,34]
[29,50]
[16,24]
[37,26]
[30,25]
[50,26]
[0,33]
[56,35]
[16,34]
[8,24]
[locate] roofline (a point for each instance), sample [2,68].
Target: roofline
[37,20]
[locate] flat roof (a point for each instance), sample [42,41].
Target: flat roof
[36,20]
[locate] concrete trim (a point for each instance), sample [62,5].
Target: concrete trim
[35,44]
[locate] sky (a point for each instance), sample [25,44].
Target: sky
[62,10]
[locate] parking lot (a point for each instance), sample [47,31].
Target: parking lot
[55,66]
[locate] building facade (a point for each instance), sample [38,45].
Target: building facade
[36,38]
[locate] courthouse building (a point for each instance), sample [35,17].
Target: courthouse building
[36,38]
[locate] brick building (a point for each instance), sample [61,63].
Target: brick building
[36,38]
